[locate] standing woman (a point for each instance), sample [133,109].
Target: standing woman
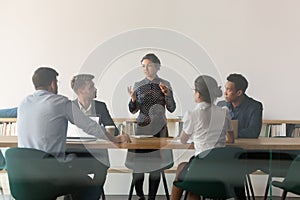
[151,97]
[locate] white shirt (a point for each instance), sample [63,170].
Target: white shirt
[43,120]
[207,125]
[87,111]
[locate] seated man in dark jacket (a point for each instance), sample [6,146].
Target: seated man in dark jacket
[246,110]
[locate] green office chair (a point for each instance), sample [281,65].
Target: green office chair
[36,175]
[215,173]
[291,183]
[273,163]
[91,162]
[2,166]
[2,161]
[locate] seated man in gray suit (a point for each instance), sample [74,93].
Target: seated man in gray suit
[43,121]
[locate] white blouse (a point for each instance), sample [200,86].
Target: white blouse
[207,125]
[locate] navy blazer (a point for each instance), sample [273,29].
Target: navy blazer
[100,110]
[249,116]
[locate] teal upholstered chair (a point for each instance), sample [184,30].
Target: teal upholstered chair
[215,173]
[2,165]
[274,163]
[36,175]
[291,183]
[2,161]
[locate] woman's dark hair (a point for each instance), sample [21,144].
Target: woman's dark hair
[153,58]
[43,77]
[240,82]
[208,88]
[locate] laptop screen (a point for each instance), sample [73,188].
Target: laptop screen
[75,132]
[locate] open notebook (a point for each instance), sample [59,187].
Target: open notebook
[76,134]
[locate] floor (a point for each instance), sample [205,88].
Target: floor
[163,198]
[116,197]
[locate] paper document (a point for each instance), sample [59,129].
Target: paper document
[177,140]
[142,136]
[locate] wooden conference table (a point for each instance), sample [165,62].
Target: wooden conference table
[171,143]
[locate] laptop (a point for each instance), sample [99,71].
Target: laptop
[75,134]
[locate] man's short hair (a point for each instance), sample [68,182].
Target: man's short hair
[43,77]
[240,82]
[79,81]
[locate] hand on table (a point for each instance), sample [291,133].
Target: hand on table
[123,138]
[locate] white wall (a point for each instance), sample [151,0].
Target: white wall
[259,39]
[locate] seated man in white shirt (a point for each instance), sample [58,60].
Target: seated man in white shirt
[43,121]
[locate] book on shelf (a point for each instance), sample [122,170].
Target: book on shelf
[8,128]
[296,130]
[280,128]
[275,130]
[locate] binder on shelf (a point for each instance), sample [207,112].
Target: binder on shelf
[280,128]
[8,126]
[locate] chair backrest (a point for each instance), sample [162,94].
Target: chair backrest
[274,162]
[34,174]
[292,180]
[215,173]
[2,160]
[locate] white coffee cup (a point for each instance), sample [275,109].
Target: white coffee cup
[130,127]
[110,129]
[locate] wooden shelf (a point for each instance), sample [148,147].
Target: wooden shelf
[271,121]
[119,120]
[8,119]
[273,128]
